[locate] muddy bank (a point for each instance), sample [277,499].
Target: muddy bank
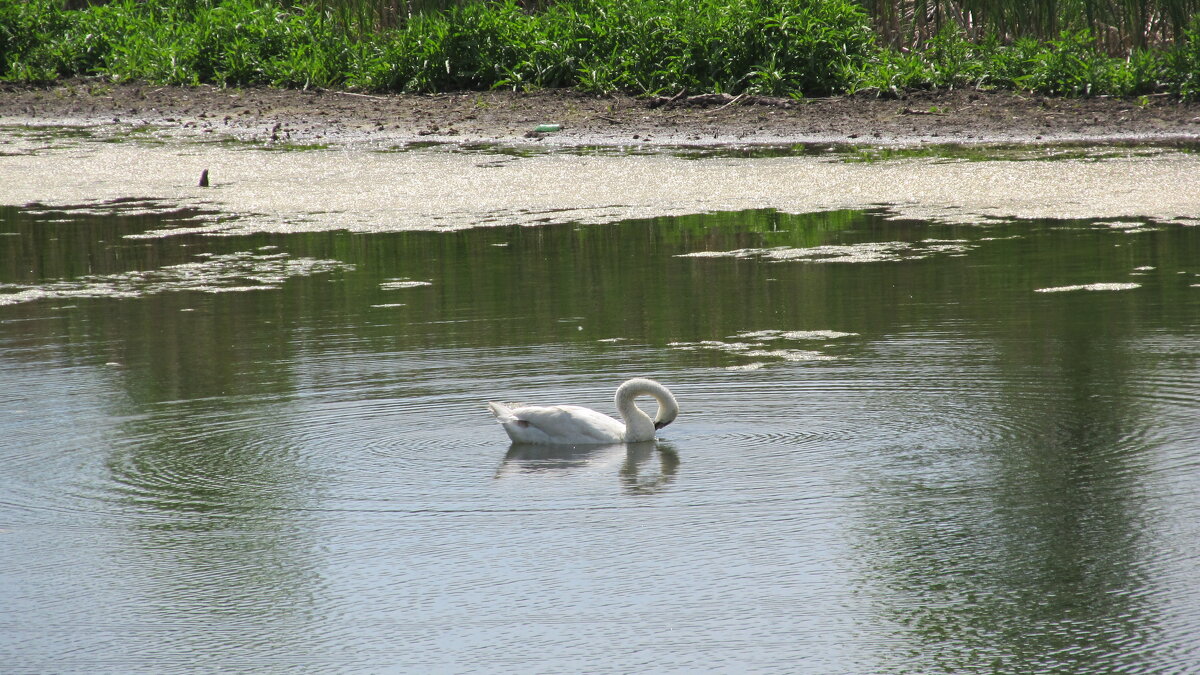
[291,116]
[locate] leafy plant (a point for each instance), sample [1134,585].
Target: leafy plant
[776,47]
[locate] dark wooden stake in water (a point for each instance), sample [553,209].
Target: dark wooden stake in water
[204,178]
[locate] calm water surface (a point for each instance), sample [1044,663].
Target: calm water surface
[905,448]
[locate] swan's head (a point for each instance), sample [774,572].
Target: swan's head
[668,409]
[667,412]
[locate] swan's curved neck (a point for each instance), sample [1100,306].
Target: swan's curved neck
[638,425]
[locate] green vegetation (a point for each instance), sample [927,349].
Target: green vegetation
[1068,65]
[775,47]
[1119,26]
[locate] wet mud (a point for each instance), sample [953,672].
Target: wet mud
[294,116]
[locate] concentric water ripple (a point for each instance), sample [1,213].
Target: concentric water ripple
[914,463]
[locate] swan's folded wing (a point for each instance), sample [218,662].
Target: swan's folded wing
[567,424]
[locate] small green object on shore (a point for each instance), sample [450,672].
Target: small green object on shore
[545,128]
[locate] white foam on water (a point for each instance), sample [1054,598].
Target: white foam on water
[791,354]
[225,273]
[397,284]
[755,350]
[714,344]
[1089,287]
[793,335]
[868,252]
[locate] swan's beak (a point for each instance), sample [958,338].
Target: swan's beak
[659,425]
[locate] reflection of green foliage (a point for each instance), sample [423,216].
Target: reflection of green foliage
[1008,556]
[540,273]
[534,285]
[1019,549]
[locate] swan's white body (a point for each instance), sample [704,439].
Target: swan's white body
[575,425]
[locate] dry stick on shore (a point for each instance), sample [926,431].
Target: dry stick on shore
[722,100]
[735,100]
[659,101]
[354,93]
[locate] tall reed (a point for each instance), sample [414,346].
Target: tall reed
[1119,26]
[363,16]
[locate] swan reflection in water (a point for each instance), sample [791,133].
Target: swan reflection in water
[634,477]
[637,474]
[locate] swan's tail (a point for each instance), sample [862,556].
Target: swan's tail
[503,413]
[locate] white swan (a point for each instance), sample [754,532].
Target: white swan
[575,425]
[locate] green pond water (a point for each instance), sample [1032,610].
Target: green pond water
[904,447]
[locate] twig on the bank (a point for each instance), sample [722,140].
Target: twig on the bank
[660,101]
[735,100]
[353,93]
[722,99]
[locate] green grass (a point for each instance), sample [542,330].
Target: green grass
[777,47]
[1069,65]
